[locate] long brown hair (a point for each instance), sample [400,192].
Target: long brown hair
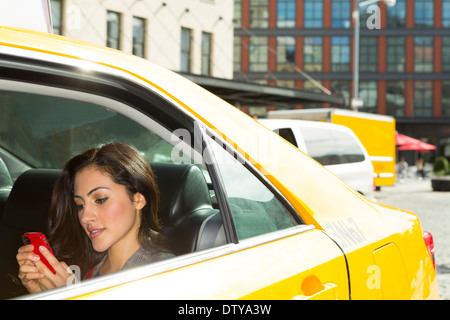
[125,166]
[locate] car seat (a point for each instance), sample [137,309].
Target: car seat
[189,221]
[26,210]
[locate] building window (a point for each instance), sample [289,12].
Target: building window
[186,47]
[206,53]
[395,98]
[286,13]
[446,98]
[313,16]
[424,13]
[446,13]
[446,54]
[259,13]
[113,30]
[259,54]
[368,54]
[395,54]
[286,54]
[312,54]
[341,14]
[396,15]
[423,54]
[56,12]
[340,54]
[139,37]
[368,92]
[423,98]
[237,54]
[237,19]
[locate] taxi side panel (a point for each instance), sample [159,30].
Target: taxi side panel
[297,267]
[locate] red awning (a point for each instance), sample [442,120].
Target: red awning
[408,143]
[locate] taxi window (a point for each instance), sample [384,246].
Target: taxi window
[44,131]
[256,210]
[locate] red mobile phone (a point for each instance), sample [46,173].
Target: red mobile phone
[38,239]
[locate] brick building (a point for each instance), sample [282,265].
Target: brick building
[404,64]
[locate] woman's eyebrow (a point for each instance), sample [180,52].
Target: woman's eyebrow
[95,189]
[90,192]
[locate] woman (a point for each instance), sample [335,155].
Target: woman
[104,218]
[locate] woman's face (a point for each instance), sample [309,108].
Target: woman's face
[106,212]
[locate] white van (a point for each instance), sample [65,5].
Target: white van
[334,146]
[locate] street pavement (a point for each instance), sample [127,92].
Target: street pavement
[433,209]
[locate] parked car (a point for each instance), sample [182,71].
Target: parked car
[254,218]
[334,146]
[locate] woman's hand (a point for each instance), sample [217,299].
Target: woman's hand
[35,275]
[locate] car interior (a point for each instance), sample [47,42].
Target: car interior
[190,223]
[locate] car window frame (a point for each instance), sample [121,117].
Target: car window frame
[36,70]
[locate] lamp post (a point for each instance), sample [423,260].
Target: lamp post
[356,102]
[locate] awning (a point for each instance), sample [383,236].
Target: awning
[408,143]
[244,93]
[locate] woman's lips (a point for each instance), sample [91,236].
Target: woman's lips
[94,233]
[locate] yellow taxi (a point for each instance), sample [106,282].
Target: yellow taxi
[248,215]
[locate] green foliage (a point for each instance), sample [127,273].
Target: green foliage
[441,167]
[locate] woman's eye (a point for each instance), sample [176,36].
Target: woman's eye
[80,207]
[101,200]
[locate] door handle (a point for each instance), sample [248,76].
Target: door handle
[313,289]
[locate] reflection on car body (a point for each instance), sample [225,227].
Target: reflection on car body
[242,227]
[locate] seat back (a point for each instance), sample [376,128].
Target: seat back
[189,221]
[26,210]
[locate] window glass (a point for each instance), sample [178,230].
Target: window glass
[424,13]
[45,131]
[285,53]
[288,135]
[396,15]
[259,54]
[340,54]
[113,30]
[312,54]
[331,147]
[139,37]
[423,54]
[255,209]
[206,53]
[185,55]
[395,57]
[259,13]
[286,13]
[341,14]
[313,14]
[368,54]
[395,98]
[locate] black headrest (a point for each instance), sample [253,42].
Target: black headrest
[183,190]
[29,201]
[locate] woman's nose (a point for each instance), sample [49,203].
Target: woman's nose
[88,214]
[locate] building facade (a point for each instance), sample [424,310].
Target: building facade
[192,36]
[404,60]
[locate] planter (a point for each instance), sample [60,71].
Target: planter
[440,183]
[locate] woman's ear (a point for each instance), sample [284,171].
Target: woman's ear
[139,201]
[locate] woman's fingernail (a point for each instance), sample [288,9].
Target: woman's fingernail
[36,257]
